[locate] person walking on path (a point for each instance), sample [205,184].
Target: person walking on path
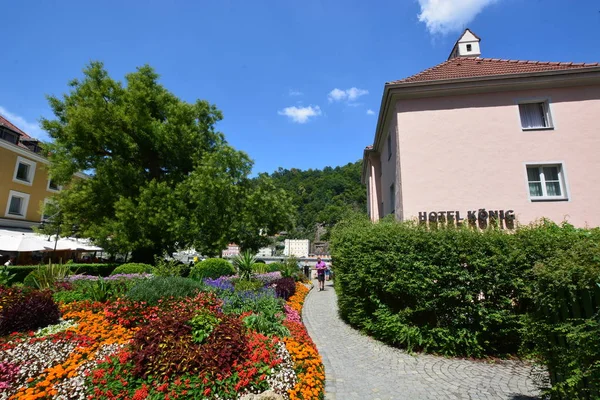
[321,267]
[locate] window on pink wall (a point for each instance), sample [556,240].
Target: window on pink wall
[546,182]
[389,145]
[535,115]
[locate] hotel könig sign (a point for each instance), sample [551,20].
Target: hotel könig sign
[481,218]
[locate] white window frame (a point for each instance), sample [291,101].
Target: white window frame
[562,179]
[31,173]
[24,205]
[48,188]
[546,101]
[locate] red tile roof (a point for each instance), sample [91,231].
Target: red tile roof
[11,126]
[471,67]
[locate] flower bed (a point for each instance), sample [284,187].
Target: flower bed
[207,347]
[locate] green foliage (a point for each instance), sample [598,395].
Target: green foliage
[289,269]
[69,296]
[46,276]
[160,287]
[263,301]
[212,268]
[5,276]
[202,325]
[244,263]
[260,268]
[166,267]
[322,197]
[133,268]
[564,327]
[450,291]
[265,325]
[275,266]
[163,176]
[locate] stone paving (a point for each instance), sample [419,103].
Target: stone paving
[359,367]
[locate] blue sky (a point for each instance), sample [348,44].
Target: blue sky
[299,83]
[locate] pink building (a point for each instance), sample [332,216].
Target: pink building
[232,250]
[514,139]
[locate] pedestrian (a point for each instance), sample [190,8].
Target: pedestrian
[9,262]
[306,270]
[321,267]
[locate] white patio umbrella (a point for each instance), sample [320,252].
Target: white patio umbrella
[24,243]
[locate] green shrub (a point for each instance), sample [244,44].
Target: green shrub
[69,296]
[160,287]
[212,268]
[276,266]
[5,276]
[265,325]
[564,326]
[46,276]
[244,263]
[169,267]
[202,325]
[133,268]
[260,268]
[454,291]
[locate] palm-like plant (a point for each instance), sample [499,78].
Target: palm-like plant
[244,263]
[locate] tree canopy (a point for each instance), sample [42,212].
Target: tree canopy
[322,197]
[161,176]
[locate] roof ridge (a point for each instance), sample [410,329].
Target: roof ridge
[470,67]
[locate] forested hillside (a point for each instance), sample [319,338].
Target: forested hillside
[322,197]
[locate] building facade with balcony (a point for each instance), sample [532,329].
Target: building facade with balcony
[25,184]
[484,139]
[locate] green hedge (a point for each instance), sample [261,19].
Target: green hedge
[21,271]
[564,325]
[212,268]
[449,291]
[133,268]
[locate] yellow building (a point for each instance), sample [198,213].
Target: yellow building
[24,181]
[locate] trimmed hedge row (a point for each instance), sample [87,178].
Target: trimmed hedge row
[21,271]
[563,327]
[449,291]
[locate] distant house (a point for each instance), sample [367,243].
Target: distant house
[265,252]
[232,250]
[24,181]
[296,247]
[481,139]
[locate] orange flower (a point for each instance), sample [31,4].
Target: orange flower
[311,378]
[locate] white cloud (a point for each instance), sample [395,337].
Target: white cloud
[295,93]
[31,128]
[300,115]
[444,16]
[370,112]
[349,94]
[336,95]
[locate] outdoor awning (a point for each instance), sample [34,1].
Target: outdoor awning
[18,241]
[24,243]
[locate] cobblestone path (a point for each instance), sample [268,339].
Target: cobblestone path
[358,367]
